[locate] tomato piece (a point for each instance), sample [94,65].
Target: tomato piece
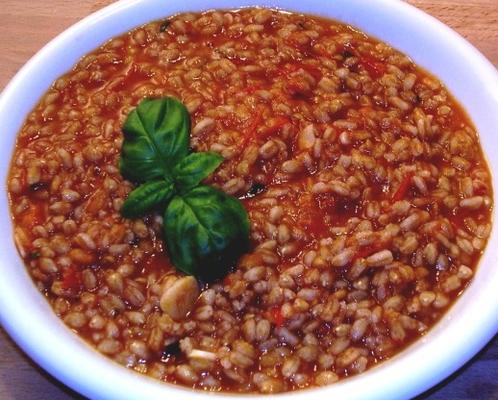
[34,215]
[374,67]
[257,119]
[252,88]
[278,122]
[252,127]
[96,202]
[275,316]
[312,70]
[158,262]
[71,279]
[403,187]
[227,281]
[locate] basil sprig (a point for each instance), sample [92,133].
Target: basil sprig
[205,230]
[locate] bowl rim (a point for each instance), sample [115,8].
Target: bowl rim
[93,373]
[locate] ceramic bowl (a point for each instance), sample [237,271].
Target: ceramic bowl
[463,331]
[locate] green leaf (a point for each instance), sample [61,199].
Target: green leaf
[156,136]
[145,197]
[194,168]
[206,231]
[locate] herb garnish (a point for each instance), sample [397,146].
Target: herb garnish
[164,25]
[205,229]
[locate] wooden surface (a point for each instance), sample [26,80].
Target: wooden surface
[25,26]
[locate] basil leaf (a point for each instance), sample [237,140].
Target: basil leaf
[156,136]
[194,168]
[145,197]
[206,231]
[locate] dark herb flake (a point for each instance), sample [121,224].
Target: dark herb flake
[255,189]
[170,351]
[36,187]
[347,54]
[164,26]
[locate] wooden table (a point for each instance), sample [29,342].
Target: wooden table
[25,26]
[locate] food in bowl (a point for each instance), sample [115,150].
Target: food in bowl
[367,192]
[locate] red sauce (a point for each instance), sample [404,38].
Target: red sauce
[298,85]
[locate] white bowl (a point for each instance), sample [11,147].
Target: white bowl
[463,331]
